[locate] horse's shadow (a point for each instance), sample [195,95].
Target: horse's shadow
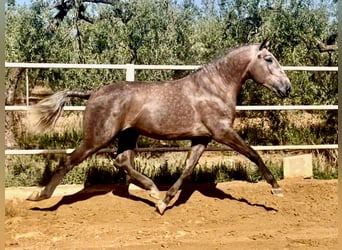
[90,191]
[207,189]
[211,190]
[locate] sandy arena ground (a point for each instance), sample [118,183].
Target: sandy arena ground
[232,215]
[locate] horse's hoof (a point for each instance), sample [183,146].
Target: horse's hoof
[155,194]
[277,192]
[37,196]
[161,206]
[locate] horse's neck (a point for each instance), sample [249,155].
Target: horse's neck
[225,77]
[235,66]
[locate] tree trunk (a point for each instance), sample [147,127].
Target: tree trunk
[11,87]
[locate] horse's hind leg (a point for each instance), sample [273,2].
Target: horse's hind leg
[125,161]
[197,148]
[64,166]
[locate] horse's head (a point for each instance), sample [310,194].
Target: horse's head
[265,69]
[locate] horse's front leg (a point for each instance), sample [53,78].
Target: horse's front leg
[197,148]
[230,138]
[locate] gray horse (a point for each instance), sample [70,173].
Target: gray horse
[199,107]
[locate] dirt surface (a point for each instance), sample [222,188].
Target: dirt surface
[233,215]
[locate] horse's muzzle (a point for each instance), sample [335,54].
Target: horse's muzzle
[283,89]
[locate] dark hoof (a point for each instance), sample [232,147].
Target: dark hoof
[277,192]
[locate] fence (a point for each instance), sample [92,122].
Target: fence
[130,76]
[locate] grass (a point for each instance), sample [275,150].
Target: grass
[325,164]
[100,170]
[164,169]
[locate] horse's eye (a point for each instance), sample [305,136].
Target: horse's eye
[269,59]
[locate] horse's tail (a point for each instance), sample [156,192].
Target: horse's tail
[45,113]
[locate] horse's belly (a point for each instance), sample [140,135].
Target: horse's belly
[172,131]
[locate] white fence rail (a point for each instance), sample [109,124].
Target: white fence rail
[130,76]
[141,66]
[242,108]
[170,149]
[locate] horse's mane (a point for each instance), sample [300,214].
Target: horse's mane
[216,68]
[222,55]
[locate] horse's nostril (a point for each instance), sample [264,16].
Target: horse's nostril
[288,86]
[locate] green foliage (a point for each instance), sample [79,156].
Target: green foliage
[51,140]
[37,170]
[165,32]
[325,174]
[22,172]
[164,169]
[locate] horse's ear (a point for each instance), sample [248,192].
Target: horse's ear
[265,45]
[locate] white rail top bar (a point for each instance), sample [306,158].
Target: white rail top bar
[288,107]
[139,66]
[310,68]
[65,66]
[250,107]
[258,148]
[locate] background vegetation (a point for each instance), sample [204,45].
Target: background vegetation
[302,32]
